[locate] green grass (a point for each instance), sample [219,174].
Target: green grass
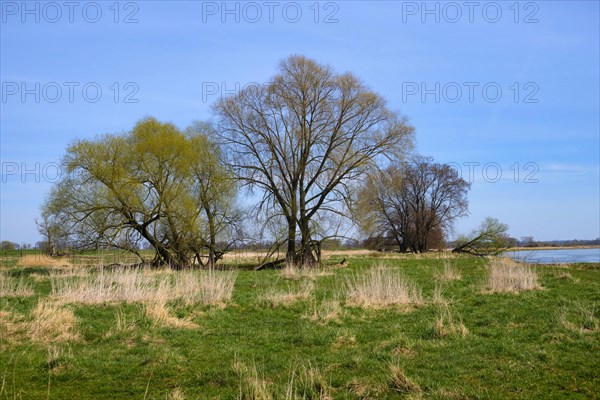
[534,344]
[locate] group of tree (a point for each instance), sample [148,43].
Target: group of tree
[314,147]
[412,204]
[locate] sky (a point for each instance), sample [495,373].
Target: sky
[507,92]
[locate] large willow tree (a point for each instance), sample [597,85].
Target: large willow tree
[154,183]
[302,138]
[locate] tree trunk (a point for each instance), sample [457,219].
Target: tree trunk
[307,252]
[290,256]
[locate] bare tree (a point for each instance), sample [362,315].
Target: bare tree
[414,202]
[301,140]
[54,232]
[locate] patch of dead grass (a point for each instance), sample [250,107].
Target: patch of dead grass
[252,384]
[293,272]
[176,394]
[448,325]
[42,260]
[380,287]
[505,275]
[52,323]
[144,285]
[449,273]
[580,319]
[12,287]
[400,383]
[159,312]
[12,327]
[344,340]
[274,297]
[326,311]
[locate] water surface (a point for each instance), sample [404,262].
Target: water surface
[556,256]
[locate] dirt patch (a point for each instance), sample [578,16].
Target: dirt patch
[42,260]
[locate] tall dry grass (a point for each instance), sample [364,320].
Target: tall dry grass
[449,273]
[274,297]
[381,287]
[12,328]
[11,287]
[159,312]
[505,275]
[252,385]
[326,311]
[52,323]
[305,382]
[449,325]
[438,296]
[292,271]
[144,285]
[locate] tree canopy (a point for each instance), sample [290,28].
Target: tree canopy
[154,183]
[303,138]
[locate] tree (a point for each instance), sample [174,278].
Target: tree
[302,139]
[54,230]
[415,203]
[490,238]
[528,241]
[154,184]
[8,245]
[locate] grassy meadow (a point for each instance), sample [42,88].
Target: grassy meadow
[373,327]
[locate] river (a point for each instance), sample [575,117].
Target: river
[559,256]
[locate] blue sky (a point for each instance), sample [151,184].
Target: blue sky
[507,91]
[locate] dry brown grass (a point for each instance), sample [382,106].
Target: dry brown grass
[57,357]
[307,382]
[447,325]
[380,287]
[400,383]
[252,385]
[42,260]
[326,311]
[291,271]
[580,319]
[205,287]
[360,388]
[438,296]
[274,297]
[159,312]
[70,271]
[176,394]
[344,340]
[52,323]
[449,273]
[123,324]
[12,327]
[144,285]
[565,275]
[505,275]
[11,287]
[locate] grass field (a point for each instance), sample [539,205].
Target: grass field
[411,327]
